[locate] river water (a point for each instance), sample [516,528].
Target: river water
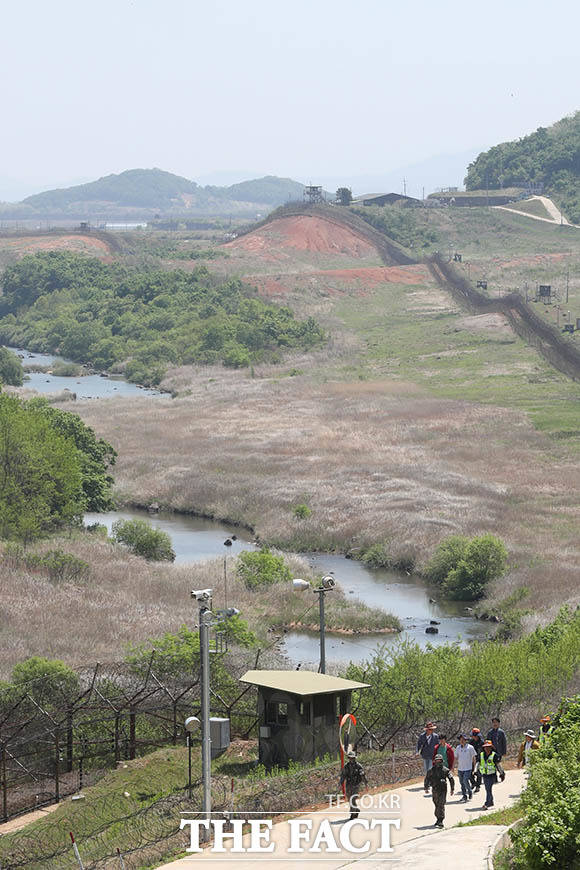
[195,539]
[85,387]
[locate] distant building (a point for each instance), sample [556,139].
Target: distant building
[387,199]
[299,714]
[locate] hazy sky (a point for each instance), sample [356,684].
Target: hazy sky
[319,90]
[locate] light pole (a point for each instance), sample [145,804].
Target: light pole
[327,584]
[203,598]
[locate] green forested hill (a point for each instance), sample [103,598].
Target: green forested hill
[158,190]
[144,321]
[551,155]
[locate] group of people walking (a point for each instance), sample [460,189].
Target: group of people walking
[478,761]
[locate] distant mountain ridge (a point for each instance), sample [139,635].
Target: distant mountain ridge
[156,190]
[550,156]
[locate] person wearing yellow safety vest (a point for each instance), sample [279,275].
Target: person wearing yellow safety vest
[489,768]
[546,729]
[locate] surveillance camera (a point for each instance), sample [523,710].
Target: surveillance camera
[300,584]
[328,582]
[201,595]
[191,723]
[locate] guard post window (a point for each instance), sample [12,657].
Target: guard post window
[276,713]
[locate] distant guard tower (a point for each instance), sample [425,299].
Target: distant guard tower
[313,194]
[299,714]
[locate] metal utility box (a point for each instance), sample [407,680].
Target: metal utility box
[219,731]
[545,290]
[299,712]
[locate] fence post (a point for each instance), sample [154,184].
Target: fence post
[393,759]
[132,741]
[69,740]
[117,753]
[56,767]
[175,723]
[4,784]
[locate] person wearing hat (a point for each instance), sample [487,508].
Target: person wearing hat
[530,742]
[477,743]
[426,745]
[466,759]
[352,775]
[546,729]
[489,767]
[437,777]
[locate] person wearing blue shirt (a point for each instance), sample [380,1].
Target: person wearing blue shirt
[426,744]
[498,738]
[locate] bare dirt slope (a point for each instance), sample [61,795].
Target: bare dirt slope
[303,233]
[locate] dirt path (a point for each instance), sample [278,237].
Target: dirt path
[556,216]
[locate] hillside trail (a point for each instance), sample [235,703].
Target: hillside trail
[556,216]
[417,843]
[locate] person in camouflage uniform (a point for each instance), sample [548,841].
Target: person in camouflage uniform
[437,778]
[352,775]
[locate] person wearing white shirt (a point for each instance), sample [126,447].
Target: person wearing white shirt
[466,758]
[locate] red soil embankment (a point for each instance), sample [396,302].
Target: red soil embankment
[340,280]
[304,233]
[76,242]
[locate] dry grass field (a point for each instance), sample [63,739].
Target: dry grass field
[126,600]
[416,421]
[372,463]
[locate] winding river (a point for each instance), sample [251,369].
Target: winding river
[195,539]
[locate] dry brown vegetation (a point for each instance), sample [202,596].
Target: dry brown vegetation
[126,600]
[372,466]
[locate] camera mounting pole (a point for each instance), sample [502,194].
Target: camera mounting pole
[203,598]
[326,585]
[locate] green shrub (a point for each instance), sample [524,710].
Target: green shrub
[446,557]
[484,560]
[549,837]
[11,371]
[143,540]
[376,556]
[59,566]
[262,568]
[301,511]
[52,682]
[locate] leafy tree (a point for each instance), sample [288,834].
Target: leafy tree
[11,371]
[40,475]
[551,801]
[262,568]
[143,540]
[48,681]
[344,195]
[95,455]
[446,557]
[484,560]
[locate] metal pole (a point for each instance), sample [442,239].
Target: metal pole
[204,618]
[226,582]
[322,668]
[189,765]
[4,785]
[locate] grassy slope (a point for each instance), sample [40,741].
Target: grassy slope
[531,206]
